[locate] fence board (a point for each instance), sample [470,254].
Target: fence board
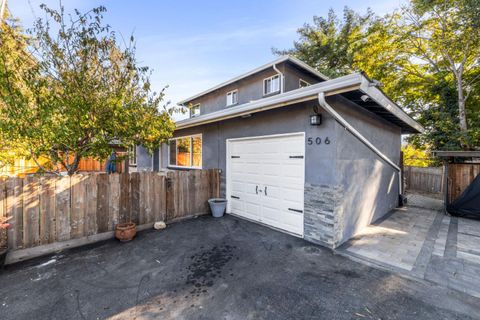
[78,207]
[91,204]
[124,197]
[102,203]
[62,205]
[148,216]
[9,206]
[3,211]
[459,178]
[31,216]
[136,197]
[47,210]
[17,209]
[159,198]
[114,201]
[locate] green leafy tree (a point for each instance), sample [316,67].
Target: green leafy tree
[329,43]
[81,92]
[426,55]
[13,44]
[416,157]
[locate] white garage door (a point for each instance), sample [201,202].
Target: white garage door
[265,180]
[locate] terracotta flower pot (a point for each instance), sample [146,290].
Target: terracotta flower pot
[125,231]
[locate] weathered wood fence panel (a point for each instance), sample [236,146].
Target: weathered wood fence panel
[428,179]
[186,191]
[49,210]
[459,178]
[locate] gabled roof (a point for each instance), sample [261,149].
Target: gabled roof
[293,60]
[357,84]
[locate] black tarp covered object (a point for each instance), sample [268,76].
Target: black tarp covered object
[468,204]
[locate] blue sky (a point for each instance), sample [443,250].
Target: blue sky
[193,45]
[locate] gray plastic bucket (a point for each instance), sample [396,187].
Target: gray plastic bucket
[218,206]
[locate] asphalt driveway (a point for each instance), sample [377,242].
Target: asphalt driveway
[217,269]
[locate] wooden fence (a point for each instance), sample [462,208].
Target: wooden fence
[45,211]
[459,178]
[429,180]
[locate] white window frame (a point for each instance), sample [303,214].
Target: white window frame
[191,152]
[230,93]
[306,83]
[192,115]
[132,156]
[271,88]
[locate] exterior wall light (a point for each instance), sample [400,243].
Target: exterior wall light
[315,119]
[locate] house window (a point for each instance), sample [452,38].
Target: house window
[195,110]
[132,154]
[302,83]
[271,85]
[232,97]
[185,152]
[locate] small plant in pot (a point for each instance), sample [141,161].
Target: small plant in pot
[4,225]
[125,231]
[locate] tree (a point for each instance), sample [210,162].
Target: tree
[444,35]
[81,92]
[329,43]
[13,46]
[416,157]
[421,55]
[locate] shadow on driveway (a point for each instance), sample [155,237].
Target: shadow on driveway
[217,269]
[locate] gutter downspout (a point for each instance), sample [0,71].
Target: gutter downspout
[359,136]
[282,77]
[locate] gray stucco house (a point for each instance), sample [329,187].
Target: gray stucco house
[315,157]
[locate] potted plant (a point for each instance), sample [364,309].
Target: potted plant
[4,225]
[125,231]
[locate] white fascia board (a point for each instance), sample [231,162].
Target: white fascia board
[330,87]
[379,97]
[254,71]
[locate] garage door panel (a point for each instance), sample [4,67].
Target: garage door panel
[266,162]
[254,179]
[252,211]
[292,195]
[251,168]
[238,186]
[272,170]
[283,220]
[237,205]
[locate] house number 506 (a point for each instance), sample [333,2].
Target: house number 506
[317,140]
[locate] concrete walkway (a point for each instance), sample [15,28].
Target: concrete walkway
[422,242]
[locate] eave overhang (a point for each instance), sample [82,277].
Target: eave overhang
[356,82]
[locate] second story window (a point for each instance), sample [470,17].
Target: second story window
[232,97]
[195,110]
[271,85]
